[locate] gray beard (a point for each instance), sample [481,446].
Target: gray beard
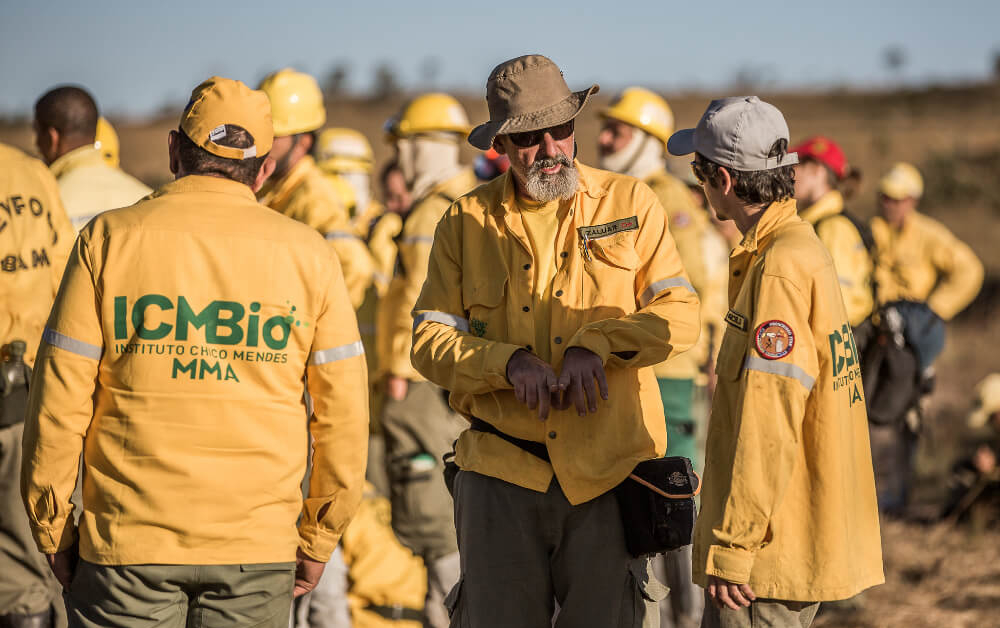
[549,187]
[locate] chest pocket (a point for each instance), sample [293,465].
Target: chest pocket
[617,251]
[732,353]
[483,298]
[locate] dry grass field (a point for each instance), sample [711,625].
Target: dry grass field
[937,577]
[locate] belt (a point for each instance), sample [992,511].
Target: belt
[537,450]
[396,612]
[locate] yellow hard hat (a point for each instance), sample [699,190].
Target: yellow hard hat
[296,102]
[643,109]
[344,150]
[902,181]
[432,112]
[106,141]
[987,400]
[344,190]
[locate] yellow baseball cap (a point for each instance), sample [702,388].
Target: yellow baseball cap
[988,400]
[221,101]
[902,181]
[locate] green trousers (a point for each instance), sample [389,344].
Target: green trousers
[181,596]
[677,396]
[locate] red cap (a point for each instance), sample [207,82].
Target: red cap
[825,151]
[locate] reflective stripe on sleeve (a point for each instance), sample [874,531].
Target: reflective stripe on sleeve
[459,323]
[786,369]
[418,239]
[657,287]
[337,353]
[341,235]
[844,281]
[72,345]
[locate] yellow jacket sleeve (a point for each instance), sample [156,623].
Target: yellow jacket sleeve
[768,422]
[337,380]
[356,263]
[667,321]
[853,265]
[444,350]
[960,275]
[65,376]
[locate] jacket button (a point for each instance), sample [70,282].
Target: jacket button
[552,434]
[558,340]
[529,347]
[736,273]
[559,293]
[527,267]
[564,254]
[526,308]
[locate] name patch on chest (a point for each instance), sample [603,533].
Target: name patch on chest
[594,232]
[737,320]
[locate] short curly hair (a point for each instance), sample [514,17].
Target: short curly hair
[755,187]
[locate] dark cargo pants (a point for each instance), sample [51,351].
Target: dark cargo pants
[523,551]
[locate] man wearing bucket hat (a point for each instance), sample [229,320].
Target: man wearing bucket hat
[419,427]
[633,141]
[173,360]
[821,170]
[550,293]
[919,259]
[787,466]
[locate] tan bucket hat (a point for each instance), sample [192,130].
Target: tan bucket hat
[527,94]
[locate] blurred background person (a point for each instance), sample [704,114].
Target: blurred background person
[632,141]
[975,479]
[37,235]
[490,164]
[90,181]
[924,276]
[298,188]
[346,154]
[419,426]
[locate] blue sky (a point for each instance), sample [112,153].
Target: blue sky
[137,56]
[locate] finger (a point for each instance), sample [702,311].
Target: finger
[748,592]
[300,589]
[712,589]
[576,390]
[531,394]
[565,380]
[590,391]
[519,391]
[552,381]
[544,401]
[737,596]
[724,599]
[602,383]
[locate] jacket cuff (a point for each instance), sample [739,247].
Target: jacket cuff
[51,540]
[728,563]
[495,368]
[317,545]
[592,340]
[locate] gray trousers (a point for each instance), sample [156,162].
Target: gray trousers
[522,552]
[683,608]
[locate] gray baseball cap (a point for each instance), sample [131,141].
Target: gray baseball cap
[737,132]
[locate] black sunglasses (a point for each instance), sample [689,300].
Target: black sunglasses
[532,138]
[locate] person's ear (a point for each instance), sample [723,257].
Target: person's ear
[173,152]
[266,170]
[725,180]
[306,142]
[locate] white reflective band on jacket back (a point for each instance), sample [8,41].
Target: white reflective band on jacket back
[657,287]
[418,239]
[459,323]
[337,353]
[341,235]
[780,368]
[72,345]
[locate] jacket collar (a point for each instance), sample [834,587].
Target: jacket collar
[830,204]
[76,158]
[775,216]
[274,193]
[503,193]
[205,183]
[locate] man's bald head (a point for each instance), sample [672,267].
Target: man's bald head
[65,119]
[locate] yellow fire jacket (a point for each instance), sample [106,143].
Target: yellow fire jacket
[35,240]
[177,345]
[380,570]
[364,219]
[850,257]
[690,228]
[620,291]
[89,185]
[788,503]
[394,323]
[306,195]
[925,262]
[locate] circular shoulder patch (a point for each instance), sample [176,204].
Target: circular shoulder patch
[774,340]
